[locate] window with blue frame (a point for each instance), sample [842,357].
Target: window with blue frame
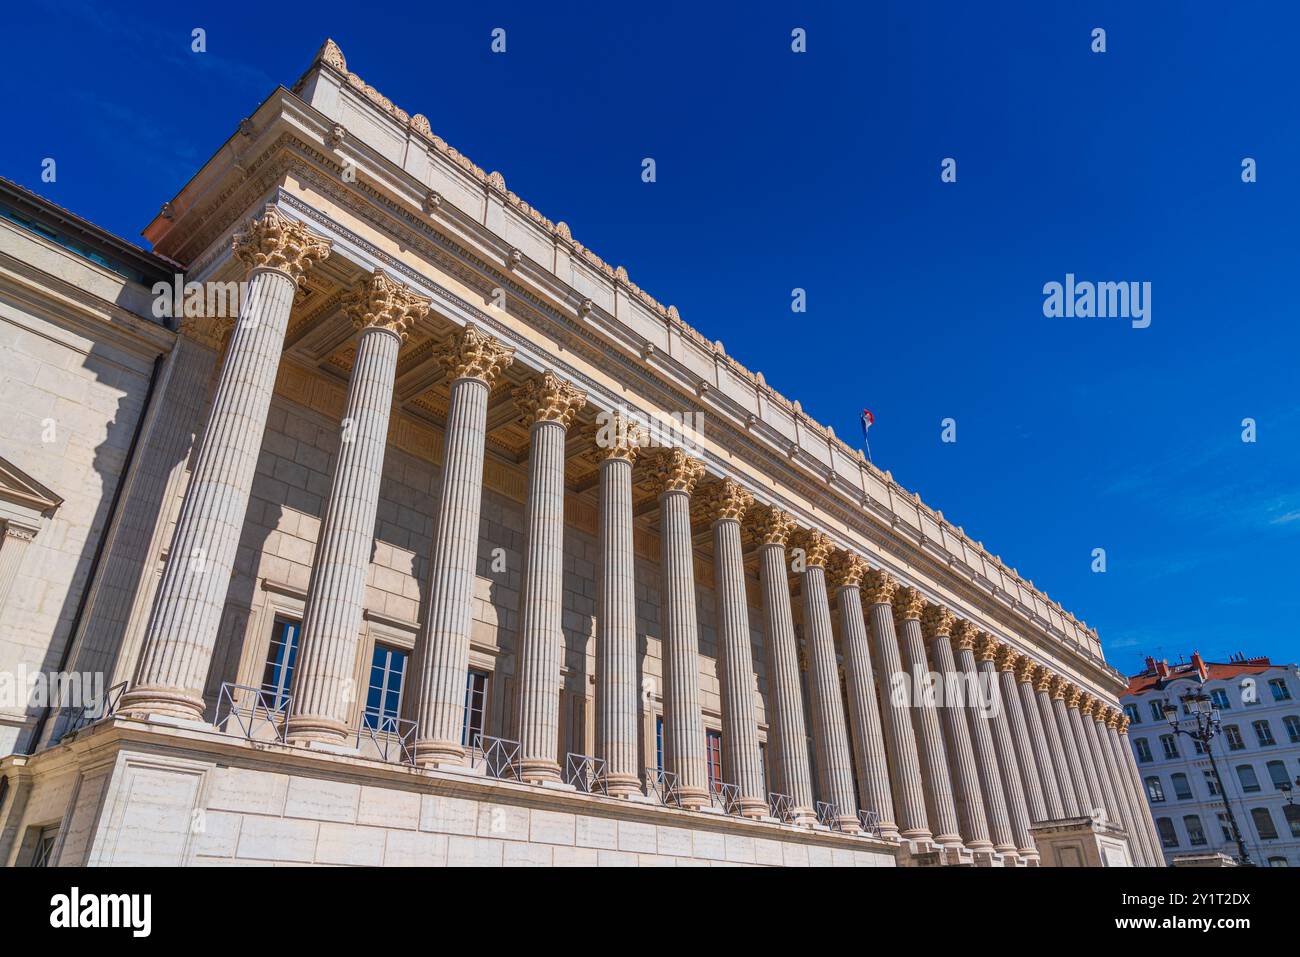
[476,683]
[277,677]
[659,742]
[384,694]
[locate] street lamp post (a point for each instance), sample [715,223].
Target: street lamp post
[1204,724]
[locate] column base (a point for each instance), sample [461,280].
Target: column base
[438,754]
[308,728]
[622,785]
[754,808]
[693,798]
[536,771]
[804,817]
[848,825]
[145,701]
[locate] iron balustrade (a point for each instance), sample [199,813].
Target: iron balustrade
[781,806]
[870,822]
[585,772]
[725,797]
[499,756]
[663,784]
[258,708]
[828,815]
[98,710]
[393,738]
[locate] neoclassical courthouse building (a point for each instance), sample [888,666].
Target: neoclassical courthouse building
[451,545]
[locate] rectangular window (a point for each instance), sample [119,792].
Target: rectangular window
[1155,791]
[1264,823]
[1170,745]
[1211,784]
[713,752]
[762,763]
[1233,734]
[1225,827]
[1277,774]
[476,685]
[1280,691]
[1182,787]
[1292,814]
[1292,728]
[43,853]
[1264,733]
[1220,699]
[1143,750]
[1132,711]
[384,695]
[1158,710]
[1246,775]
[1168,836]
[659,742]
[277,676]
[1195,833]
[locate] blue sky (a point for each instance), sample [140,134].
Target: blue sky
[821,171]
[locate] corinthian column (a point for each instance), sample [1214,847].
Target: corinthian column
[725,505]
[847,571]
[472,360]
[1101,773]
[1060,760]
[936,626]
[548,405]
[674,477]
[785,717]
[908,605]
[1043,758]
[1117,733]
[963,637]
[1088,770]
[1007,659]
[830,732]
[1130,801]
[999,725]
[384,311]
[900,741]
[187,612]
[617,690]
[1057,690]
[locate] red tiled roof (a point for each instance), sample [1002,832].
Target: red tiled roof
[1160,676]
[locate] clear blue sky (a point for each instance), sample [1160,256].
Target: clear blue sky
[821,171]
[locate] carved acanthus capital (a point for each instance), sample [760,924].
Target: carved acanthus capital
[1122,723]
[936,620]
[1072,696]
[617,437]
[1043,679]
[817,547]
[209,331]
[1025,670]
[380,302]
[672,470]
[473,354]
[908,604]
[847,569]
[726,501]
[1087,704]
[548,398]
[987,648]
[878,587]
[963,635]
[274,241]
[1009,659]
[770,525]
[1058,688]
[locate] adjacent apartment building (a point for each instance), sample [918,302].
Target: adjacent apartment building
[399,527]
[1257,751]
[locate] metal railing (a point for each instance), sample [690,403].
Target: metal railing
[499,756]
[260,708]
[584,772]
[781,806]
[393,738]
[870,822]
[828,815]
[725,797]
[74,719]
[663,785]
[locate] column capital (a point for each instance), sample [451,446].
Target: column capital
[988,648]
[908,603]
[1025,669]
[847,569]
[963,635]
[1088,704]
[1042,679]
[771,525]
[19,533]
[1008,659]
[616,437]
[471,353]
[817,547]
[548,398]
[209,331]
[1121,723]
[724,501]
[672,470]
[878,588]
[1058,687]
[936,620]
[274,241]
[1072,695]
[380,302]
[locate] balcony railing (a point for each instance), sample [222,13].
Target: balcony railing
[828,815]
[663,785]
[391,738]
[781,806]
[499,757]
[254,711]
[74,719]
[725,797]
[585,773]
[869,822]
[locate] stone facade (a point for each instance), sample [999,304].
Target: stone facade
[382,586]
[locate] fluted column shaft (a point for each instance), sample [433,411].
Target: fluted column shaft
[740,757]
[900,740]
[830,731]
[327,653]
[1091,777]
[941,808]
[973,818]
[192,595]
[472,359]
[1082,717]
[864,709]
[785,719]
[1128,769]
[1060,762]
[548,403]
[1073,763]
[617,689]
[1031,785]
[986,759]
[1041,745]
[999,728]
[683,723]
[1139,845]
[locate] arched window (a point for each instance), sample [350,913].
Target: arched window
[1263,823]
[1195,833]
[1246,775]
[1292,814]
[1168,836]
[1277,774]
[1182,790]
[1155,792]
